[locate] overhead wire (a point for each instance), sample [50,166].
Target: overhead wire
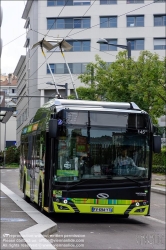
[87,28]
[37,47]
[55,49]
[13,40]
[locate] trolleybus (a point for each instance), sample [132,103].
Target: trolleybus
[69,152]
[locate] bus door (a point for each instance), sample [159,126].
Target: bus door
[33,165]
[23,159]
[50,161]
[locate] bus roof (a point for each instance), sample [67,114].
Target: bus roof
[83,103]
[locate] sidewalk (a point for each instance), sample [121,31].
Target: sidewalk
[158,183]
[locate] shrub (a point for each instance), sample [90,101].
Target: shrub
[159,169]
[160,159]
[12,155]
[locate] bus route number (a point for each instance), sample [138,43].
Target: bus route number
[141,131]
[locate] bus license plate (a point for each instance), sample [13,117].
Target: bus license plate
[102,209]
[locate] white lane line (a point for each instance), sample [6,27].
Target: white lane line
[23,211]
[152,218]
[33,235]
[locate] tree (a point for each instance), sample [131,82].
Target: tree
[125,80]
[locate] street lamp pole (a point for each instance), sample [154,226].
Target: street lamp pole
[127,47]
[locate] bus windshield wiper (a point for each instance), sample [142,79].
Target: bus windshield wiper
[78,183]
[128,178]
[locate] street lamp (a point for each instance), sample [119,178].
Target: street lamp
[127,47]
[63,86]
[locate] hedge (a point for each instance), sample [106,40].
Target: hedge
[159,169]
[160,159]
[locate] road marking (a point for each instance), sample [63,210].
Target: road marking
[12,219]
[152,218]
[24,211]
[44,225]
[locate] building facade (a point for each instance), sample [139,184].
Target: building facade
[8,85]
[82,23]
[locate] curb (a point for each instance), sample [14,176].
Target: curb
[33,236]
[158,190]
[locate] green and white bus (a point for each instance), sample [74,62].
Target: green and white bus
[68,156]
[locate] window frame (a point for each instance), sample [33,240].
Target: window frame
[108,21]
[159,38]
[134,1]
[135,20]
[82,24]
[135,40]
[114,48]
[71,66]
[68,3]
[162,20]
[108,2]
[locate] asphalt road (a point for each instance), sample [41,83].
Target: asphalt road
[102,231]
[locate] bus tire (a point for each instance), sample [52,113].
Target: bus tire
[125,216]
[26,198]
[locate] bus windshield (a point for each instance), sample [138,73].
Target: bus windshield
[101,152]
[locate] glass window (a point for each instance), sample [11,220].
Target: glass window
[81,2]
[77,46]
[51,23]
[60,23]
[77,23]
[108,22]
[80,45]
[97,152]
[160,20]
[59,68]
[77,68]
[52,66]
[135,21]
[107,47]
[159,1]
[137,44]
[104,22]
[68,23]
[85,45]
[134,1]
[159,43]
[84,67]
[50,2]
[86,23]
[102,2]
[60,2]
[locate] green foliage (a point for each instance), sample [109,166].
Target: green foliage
[126,80]
[160,159]
[12,155]
[159,169]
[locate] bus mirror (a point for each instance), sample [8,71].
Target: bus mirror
[156,143]
[53,127]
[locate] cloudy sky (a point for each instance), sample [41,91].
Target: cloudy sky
[12,27]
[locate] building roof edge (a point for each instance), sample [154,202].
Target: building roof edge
[27,9]
[19,64]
